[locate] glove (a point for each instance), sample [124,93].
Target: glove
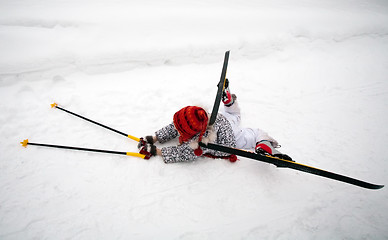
[149,139]
[145,140]
[146,148]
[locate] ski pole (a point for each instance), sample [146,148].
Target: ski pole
[54,105]
[133,154]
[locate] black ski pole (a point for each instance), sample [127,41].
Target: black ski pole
[54,105]
[133,154]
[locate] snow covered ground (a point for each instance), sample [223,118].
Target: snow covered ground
[314,74]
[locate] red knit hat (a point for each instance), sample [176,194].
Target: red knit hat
[190,121]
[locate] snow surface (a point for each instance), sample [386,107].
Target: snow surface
[311,73]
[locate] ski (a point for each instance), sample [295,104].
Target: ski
[220,86]
[290,164]
[269,159]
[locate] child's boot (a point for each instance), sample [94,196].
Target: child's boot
[228,98]
[265,148]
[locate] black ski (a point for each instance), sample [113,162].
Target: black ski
[290,164]
[221,86]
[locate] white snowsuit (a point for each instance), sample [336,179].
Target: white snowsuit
[246,138]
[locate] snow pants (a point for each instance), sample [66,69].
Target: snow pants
[246,138]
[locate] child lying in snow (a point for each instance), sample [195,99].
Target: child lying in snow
[191,125]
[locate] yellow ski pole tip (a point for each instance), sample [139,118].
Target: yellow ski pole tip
[54,105]
[24,143]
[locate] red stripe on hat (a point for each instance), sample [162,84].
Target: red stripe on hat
[189,121]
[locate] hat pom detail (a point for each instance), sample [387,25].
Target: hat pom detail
[198,152]
[233,158]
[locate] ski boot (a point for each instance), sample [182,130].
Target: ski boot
[228,98]
[265,148]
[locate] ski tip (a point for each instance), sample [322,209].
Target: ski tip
[53,105]
[24,143]
[376,187]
